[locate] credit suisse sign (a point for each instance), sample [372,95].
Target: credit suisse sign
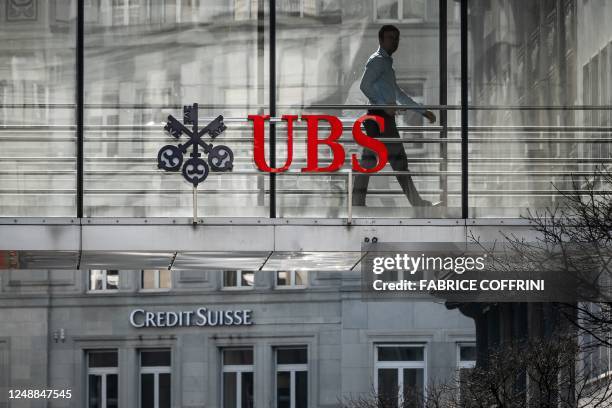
[200,317]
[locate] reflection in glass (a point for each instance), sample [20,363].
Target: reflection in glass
[247,390]
[400,353]
[283,390]
[98,359]
[37,105]
[165,391]
[144,60]
[301,389]
[229,390]
[238,356]
[147,390]
[387,386]
[112,391]
[112,279]
[413,387]
[95,391]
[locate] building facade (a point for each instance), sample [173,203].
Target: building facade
[292,339]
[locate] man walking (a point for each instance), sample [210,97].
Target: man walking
[379,85]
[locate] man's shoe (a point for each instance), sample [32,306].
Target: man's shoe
[437,204]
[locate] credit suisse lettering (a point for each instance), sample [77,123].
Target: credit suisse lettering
[313,142]
[199,317]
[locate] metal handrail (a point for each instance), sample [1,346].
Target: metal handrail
[305,107]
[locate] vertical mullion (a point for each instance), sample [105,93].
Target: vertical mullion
[292,388]
[464,109]
[156,390]
[272,145]
[239,389]
[103,393]
[443,33]
[79,103]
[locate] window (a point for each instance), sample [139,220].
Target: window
[291,279]
[399,10]
[597,357]
[156,279]
[238,378]
[400,374]
[102,379]
[466,360]
[292,377]
[155,384]
[238,279]
[103,280]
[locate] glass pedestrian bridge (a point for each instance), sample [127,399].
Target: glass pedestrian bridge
[518,158]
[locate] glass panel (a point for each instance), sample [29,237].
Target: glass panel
[247,278]
[413,387]
[112,391]
[95,391]
[400,353]
[229,278]
[165,279]
[531,137]
[96,280]
[238,357]
[315,69]
[301,278]
[229,390]
[282,278]
[247,397]
[155,358]
[467,353]
[37,105]
[147,391]
[283,389]
[141,65]
[388,387]
[165,391]
[148,279]
[301,389]
[102,359]
[112,279]
[291,356]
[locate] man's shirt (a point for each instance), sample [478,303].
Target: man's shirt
[379,85]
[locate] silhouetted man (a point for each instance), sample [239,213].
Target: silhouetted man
[379,85]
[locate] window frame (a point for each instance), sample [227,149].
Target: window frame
[400,366]
[239,285]
[291,285]
[237,369]
[104,281]
[157,288]
[465,363]
[156,371]
[104,372]
[292,369]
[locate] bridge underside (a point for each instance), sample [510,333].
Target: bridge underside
[236,243]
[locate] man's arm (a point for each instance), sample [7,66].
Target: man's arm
[373,71]
[405,100]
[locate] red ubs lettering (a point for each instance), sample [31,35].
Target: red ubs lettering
[313,142]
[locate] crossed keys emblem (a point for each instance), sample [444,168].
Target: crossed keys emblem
[195,170]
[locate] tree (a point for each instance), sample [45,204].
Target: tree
[541,373]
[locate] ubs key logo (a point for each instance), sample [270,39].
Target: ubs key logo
[195,170]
